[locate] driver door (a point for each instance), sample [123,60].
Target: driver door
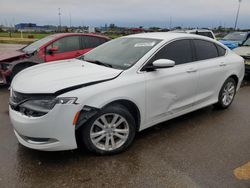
[171,90]
[67,48]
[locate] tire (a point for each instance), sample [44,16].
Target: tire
[95,133]
[227,94]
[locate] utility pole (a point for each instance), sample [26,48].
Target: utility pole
[59,14]
[70,20]
[237,15]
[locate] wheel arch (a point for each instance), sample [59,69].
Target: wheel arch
[131,107]
[236,79]
[91,111]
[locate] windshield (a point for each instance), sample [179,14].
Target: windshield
[247,43]
[36,45]
[121,53]
[237,36]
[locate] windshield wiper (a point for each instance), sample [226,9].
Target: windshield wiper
[98,63]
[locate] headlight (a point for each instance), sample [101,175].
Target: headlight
[39,107]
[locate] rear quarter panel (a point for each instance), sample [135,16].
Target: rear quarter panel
[236,66]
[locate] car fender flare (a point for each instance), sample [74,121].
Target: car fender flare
[87,112]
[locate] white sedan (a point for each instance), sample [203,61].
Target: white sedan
[103,98]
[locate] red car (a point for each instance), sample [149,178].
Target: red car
[51,48]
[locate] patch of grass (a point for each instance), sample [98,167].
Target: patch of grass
[114,36]
[7,40]
[16,37]
[25,35]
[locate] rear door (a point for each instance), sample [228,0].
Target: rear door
[90,42]
[171,90]
[68,47]
[212,70]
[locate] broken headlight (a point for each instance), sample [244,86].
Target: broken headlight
[39,107]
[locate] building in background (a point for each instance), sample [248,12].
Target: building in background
[32,27]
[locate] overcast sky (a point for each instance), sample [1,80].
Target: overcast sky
[194,13]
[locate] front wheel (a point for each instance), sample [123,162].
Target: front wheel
[227,94]
[109,132]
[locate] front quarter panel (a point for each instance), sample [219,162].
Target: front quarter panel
[127,86]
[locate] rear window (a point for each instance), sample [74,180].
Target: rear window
[205,50]
[92,42]
[221,50]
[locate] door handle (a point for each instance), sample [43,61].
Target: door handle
[191,70]
[223,64]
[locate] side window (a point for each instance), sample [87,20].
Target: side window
[66,44]
[221,51]
[179,51]
[92,42]
[205,50]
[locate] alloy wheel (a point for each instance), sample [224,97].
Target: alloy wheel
[109,131]
[228,93]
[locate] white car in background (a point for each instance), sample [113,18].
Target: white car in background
[124,86]
[202,32]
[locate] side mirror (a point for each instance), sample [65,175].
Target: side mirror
[53,49]
[163,63]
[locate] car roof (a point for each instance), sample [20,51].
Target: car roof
[60,35]
[167,36]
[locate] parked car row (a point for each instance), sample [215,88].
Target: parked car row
[244,51]
[235,39]
[103,98]
[51,48]
[71,45]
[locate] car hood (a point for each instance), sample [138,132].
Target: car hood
[11,55]
[61,75]
[243,51]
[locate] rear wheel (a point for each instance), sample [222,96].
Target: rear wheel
[227,94]
[110,131]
